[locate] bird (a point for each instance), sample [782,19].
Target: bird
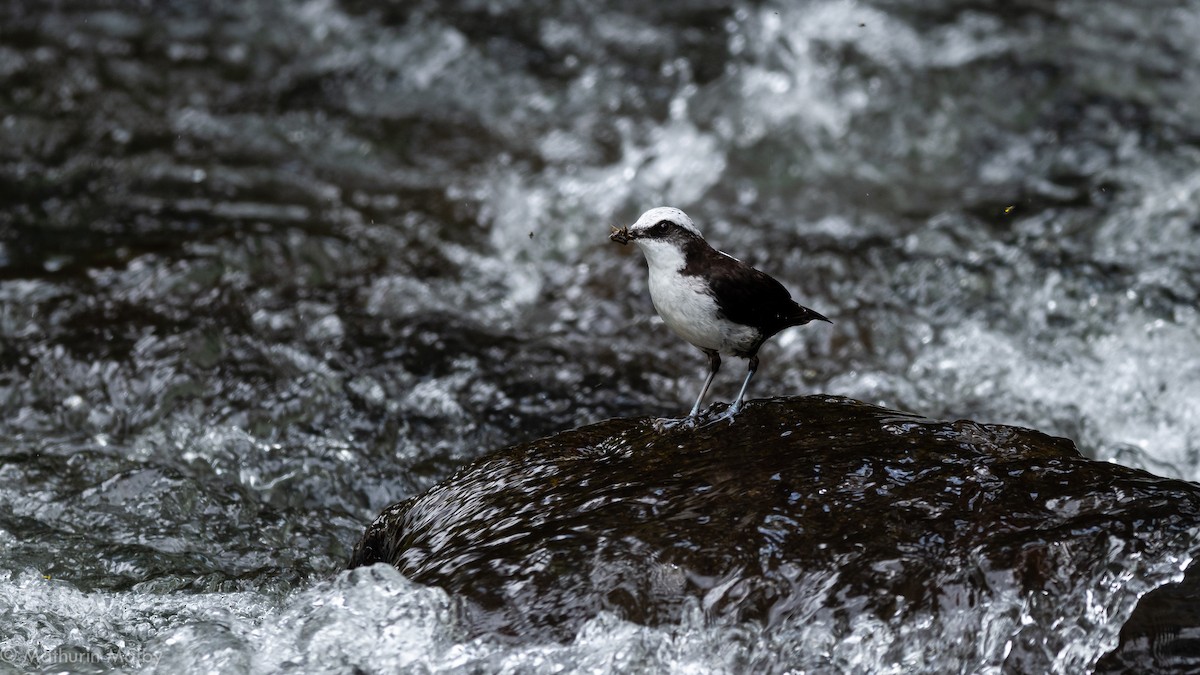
[711,299]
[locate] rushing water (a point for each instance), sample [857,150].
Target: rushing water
[266,267]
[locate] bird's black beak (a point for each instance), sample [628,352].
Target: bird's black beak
[620,235]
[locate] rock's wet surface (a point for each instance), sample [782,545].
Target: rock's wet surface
[803,506]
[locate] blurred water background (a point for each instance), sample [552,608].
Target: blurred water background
[267,267]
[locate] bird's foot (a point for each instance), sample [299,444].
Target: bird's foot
[696,421]
[726,415]
[665,423]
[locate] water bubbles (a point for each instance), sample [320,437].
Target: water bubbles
[327,329]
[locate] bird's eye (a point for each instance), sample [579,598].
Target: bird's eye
[660,227]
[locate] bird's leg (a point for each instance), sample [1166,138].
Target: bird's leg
[714,364]
[737,405]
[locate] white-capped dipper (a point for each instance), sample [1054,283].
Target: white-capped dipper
[712,300]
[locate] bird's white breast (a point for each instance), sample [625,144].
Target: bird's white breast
[687,307]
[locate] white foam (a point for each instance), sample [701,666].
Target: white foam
[1136,386]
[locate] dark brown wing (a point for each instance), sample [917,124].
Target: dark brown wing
[747,296]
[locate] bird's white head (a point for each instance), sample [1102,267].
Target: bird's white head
[667,215]
[662,233]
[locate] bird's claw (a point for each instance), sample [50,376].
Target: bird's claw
[727,415]
[666,424]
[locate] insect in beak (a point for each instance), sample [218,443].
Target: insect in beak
[620,235]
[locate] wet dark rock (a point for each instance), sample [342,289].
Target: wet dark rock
[871,509]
